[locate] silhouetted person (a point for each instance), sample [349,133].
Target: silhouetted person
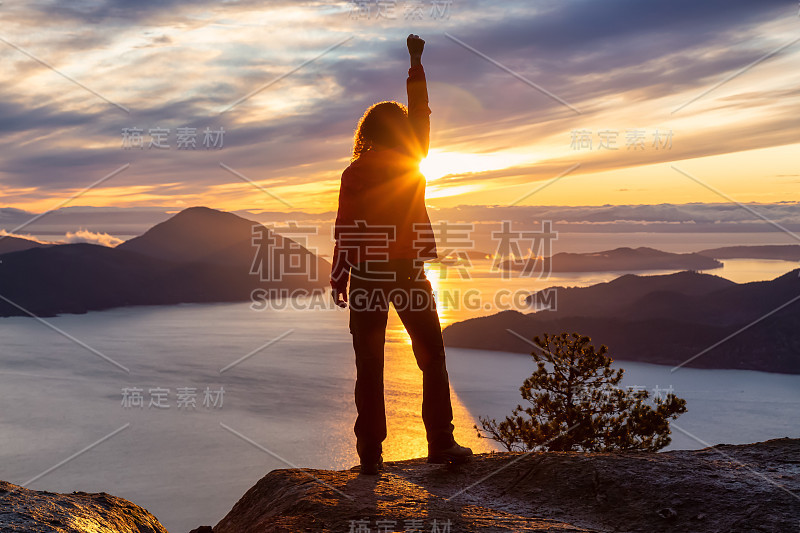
[383,235]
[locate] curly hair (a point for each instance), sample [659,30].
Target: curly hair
[383,124]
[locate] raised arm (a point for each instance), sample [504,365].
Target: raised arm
[417,89]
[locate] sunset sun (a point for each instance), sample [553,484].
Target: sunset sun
[441,163]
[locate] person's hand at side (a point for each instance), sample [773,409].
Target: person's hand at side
[415,48]
[339,297]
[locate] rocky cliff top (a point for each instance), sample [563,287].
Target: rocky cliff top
[724,488]
[32,511]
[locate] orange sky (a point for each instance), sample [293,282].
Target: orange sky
[506,107]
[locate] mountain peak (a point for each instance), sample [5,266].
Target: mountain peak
[12,243]
[195,234]
[200,210]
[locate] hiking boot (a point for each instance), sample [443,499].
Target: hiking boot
[371,469]
[455,454]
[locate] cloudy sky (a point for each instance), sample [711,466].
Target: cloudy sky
[618,102]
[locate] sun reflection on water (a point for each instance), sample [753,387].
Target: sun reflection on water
[403,393]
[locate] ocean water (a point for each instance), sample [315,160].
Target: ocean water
[723,406]
[287,378]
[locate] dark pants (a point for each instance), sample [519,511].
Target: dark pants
[410,293]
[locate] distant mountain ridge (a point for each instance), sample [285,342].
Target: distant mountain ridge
[629,291]
[10,243]
[671,319]
[620,259]
[785,252]
[198,255]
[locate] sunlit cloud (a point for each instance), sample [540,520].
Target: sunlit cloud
[175,64]
[440,163]
[83,235]
[433,192]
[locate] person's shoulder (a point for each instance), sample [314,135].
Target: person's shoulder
[373,163]
[353,175]
[368,160]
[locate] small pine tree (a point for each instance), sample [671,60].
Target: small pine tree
[577,406]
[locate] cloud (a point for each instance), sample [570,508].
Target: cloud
[59,138]
[698,213]
[82,235]
[95,223]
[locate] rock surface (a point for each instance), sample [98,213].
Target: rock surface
[724,488]
[33,511]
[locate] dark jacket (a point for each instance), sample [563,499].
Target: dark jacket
[382,212]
